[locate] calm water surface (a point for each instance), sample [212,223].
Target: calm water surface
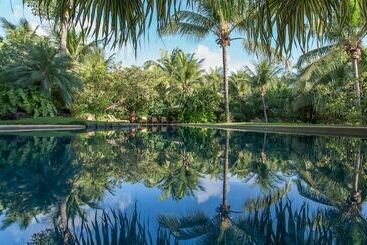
[181,185]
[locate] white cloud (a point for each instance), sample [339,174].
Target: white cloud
[213,58]
[212,188]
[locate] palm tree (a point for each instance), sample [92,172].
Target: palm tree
[182,70]
[209,230]
[46,70]
[265,73]
[22,29]
[77,45]
[345,39]
[213,79]
[341,194]
[219,18]
[294,23]
[330,69]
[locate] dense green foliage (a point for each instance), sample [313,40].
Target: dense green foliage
[66,74]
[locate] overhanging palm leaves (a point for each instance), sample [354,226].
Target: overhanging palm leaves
[289,23]
[117,22]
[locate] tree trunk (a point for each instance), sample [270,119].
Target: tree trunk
[63,37]
[225,82]
[225,170]
[356,193]
[264,107]
[356,83]
[64,221]
[64,31]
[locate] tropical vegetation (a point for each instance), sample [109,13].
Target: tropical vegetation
[68,72]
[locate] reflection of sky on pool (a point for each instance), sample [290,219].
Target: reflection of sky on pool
[151,204]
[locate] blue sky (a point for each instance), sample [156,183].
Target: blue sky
[206,49]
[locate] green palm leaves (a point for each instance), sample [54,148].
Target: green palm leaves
[220,18]
[182,70]
[265,73]
[45,69]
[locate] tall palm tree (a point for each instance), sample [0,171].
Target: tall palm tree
[342,38]
[317,70]
[264,74]
[219,18]
[220,229]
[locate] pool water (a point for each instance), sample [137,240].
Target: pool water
[167,185]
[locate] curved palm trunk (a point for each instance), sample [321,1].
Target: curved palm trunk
[264,108]
[225,81]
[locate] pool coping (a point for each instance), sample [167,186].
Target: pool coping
[331,130]
[348,131]
[40,127]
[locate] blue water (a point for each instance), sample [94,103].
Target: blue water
[184,185]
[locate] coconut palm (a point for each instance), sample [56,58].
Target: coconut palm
[46,70]
[342,193]
[213,79]
[331,69]
[219,229]
[219,18]
[264,74]
[182,70]
[342,38]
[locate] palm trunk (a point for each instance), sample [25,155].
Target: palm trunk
[264,107]
[63,36]
[64,30]
[356,83]
[358,165]
[225,170]
[64,221]
[225,82]
[356,193]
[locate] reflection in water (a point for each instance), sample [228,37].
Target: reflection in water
[300,188]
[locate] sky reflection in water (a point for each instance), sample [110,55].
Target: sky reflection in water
[183,184]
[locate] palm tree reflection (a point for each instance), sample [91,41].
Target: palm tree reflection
[217,229]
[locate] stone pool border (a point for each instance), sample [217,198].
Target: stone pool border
[349,131]
[64,127]
[292,129]
[29,128]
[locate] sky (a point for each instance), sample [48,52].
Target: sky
[150,49]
